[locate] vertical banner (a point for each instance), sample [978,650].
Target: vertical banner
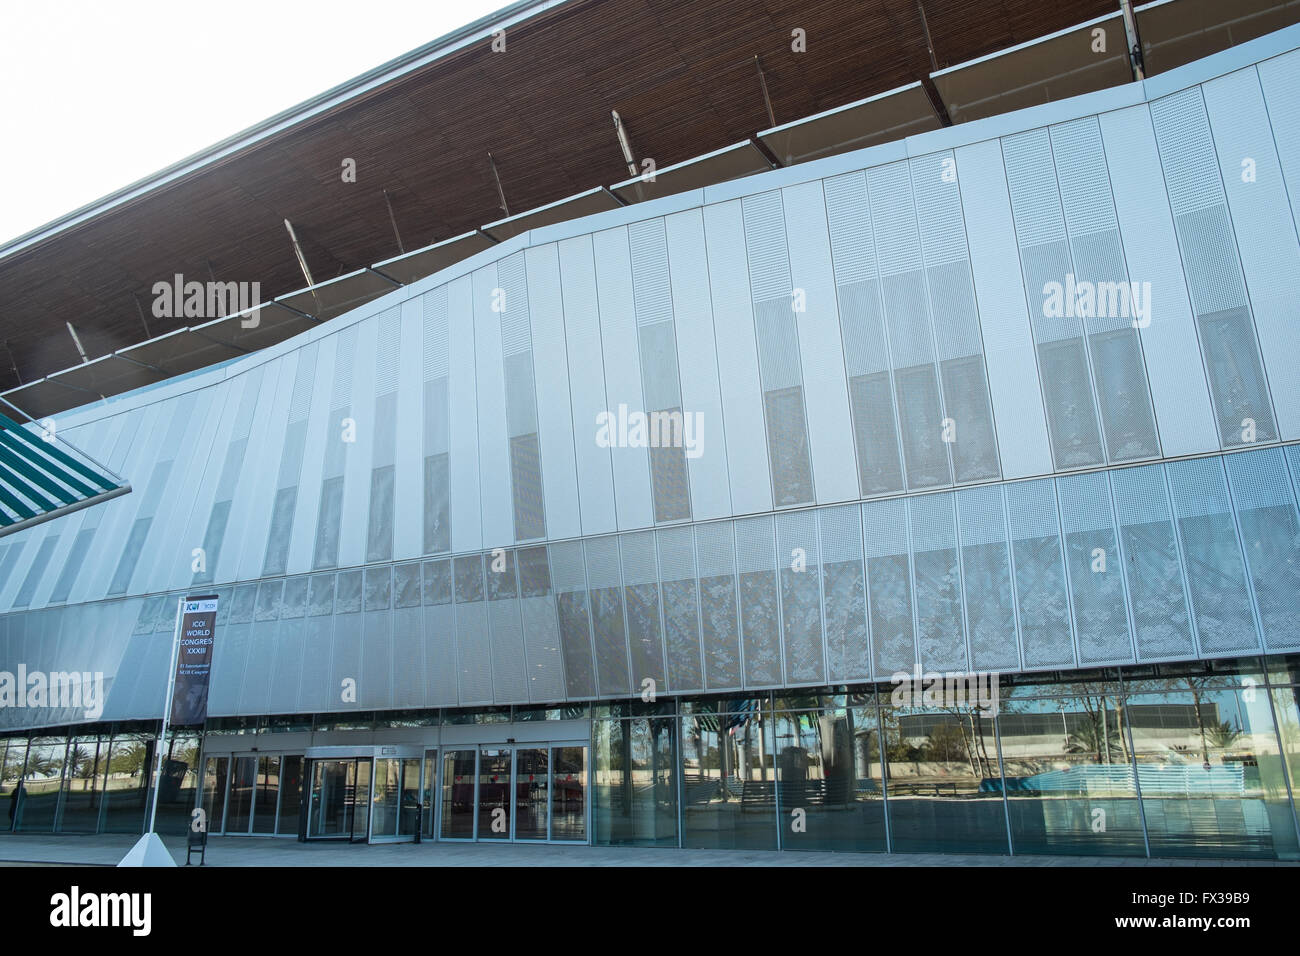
[194,660]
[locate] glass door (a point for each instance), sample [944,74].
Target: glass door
[532,781]
[494,804]
[569,794]
[360,777]
[458,776]
[340,800]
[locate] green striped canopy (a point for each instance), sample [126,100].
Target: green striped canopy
[40,480]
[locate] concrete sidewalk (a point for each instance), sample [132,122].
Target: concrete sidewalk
[17,849]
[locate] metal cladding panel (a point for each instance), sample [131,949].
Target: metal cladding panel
[376,683]
[889,588]
[173,567]
[1270,530]
[439,634]
[314,692]
[844,596]
[608,625]
[509,667]
[466,517]
[800,573]
[251,509]
[359,458]
[587,383]
[117,515]
[473,650]
[820,350]
[554,408]
[1265,230]
[622,374]
[408,503]
[715,554]
[1280,79]
[733,319]
[1173,358]
[494,463]
[1042,596]
[1095,570]
[317,435]
[936,575]
[681,607]
[760,615]
[986,580]
[343,691]
[697,363]
[255,689]
[1243,408]
[1212,557]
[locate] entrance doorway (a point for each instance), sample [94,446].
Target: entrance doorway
[523,793]
[340,800]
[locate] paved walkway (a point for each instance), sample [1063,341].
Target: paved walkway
[107,849]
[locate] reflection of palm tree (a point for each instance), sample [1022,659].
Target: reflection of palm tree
[1225,735]
[1092,738]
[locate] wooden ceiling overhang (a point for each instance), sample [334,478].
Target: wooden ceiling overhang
[688,78]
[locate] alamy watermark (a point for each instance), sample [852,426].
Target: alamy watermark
[179,299]
[1098,300]
[958,690]
[670,429]
[63,689]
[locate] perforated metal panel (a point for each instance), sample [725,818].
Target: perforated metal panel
[439,633]
[889,587]
[844,596]
[1270,534]
[337,433]
[1095,570]
[1041,591]
[681,607]
[715,553]
[608,627]
[986,578]
[569,578]
[509,667]
[799,554]
[641,596]
[1212,556]
[940,633]
[1208,246]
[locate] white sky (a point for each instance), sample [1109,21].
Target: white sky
[95,95]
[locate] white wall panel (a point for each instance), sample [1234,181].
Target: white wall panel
[586,383]
[244,545]
[1000,295]
[1173,356]
[697,363]
[360,454]
[622,373]
[494,461]
[408,509]
[1280,79]
[466,518]
[554,407]
[1266,234]
[733,322]
[319,435]
[821,352]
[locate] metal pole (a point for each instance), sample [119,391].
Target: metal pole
[167,712]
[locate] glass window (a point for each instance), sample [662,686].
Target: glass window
[829,793]
[126,792]
[40,784]
[83,785]
[180,779]
[1211,773]
[635,790]
[1069,775]
[943,780]
[729,780]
